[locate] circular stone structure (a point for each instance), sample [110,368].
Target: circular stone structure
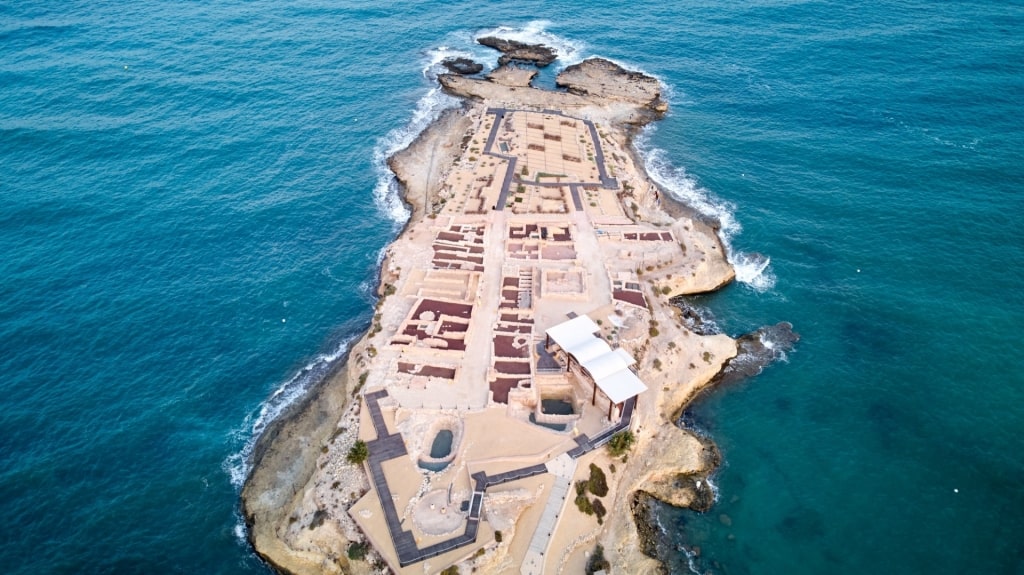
[434,516]
[431,460]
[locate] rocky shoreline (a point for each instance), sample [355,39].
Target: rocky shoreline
[282,499]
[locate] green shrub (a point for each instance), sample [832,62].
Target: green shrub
[358,453]
[362,382]
[581,487]
[653,332]
[620,443]
[497,536]
[597,561]
[599,510]
[357,551]
[598,483]
[583,504]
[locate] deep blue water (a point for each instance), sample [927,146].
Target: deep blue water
[192,207]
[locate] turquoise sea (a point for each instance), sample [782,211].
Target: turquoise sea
[193,203]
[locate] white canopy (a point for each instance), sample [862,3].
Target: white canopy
[621,386]
[575,332]
[609,368]
[605,364]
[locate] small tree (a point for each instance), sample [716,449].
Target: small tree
[598,483]
[358,453]
[584,505]
[620,443]
[599,510]
[357,551]
[597,561]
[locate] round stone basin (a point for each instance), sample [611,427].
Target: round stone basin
[440,444]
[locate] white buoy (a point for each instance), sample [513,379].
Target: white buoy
[283,320]
[955,490]
[858,270]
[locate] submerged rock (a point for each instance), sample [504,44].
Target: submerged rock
[514,50]
[758,349]
[462,66]
[696,319]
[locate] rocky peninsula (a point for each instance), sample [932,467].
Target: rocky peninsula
[512,405]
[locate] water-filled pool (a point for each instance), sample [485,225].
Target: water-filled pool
[442,446]
[556,407]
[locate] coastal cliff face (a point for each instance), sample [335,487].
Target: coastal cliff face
[275,495]
[293,504]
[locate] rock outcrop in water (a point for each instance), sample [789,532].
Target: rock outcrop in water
[604,78]
[462,66]
[756,350]
[516,51]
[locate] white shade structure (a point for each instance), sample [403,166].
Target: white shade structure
[608,368]
[575,332]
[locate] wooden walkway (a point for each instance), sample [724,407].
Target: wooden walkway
[388,446]
[606,182]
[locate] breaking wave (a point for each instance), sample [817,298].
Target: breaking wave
[535,32]
[752,270]
[239,464]
[387,192]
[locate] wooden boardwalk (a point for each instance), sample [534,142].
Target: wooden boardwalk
[388,446]
[606,182]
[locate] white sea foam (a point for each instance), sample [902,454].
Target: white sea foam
[239,464]
[752,270]
[535,32]
[778,351]
[386,192]
[710,480]
[435,56]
